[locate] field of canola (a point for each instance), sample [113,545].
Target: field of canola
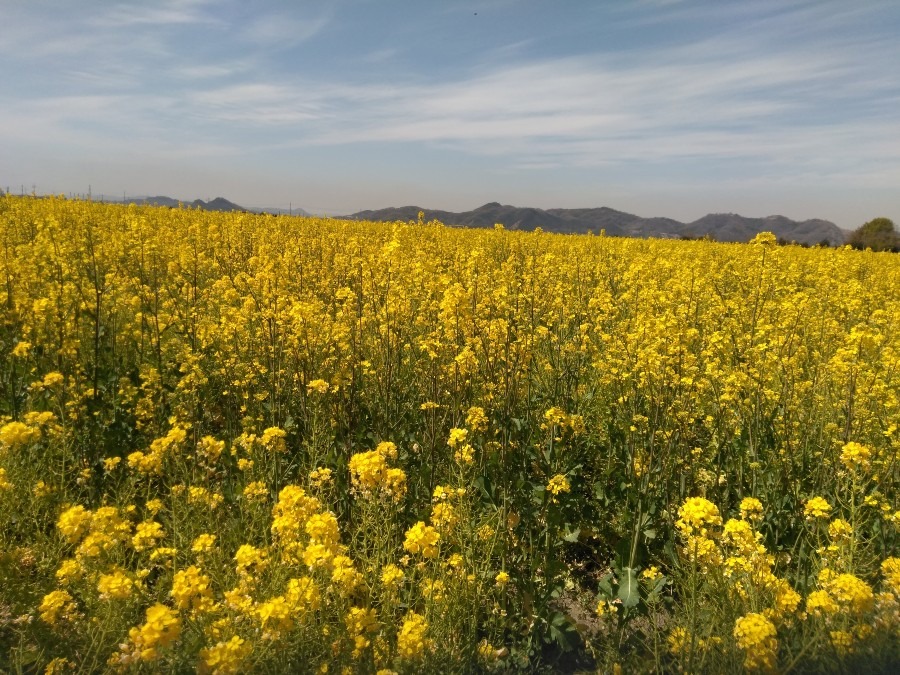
[243,443]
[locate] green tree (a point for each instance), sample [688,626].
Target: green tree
[878,234]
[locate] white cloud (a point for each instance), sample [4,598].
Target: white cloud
[702,103]
[281,30]
[717,99]
[169,12]
[208,71]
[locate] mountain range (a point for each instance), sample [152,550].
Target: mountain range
[729,227]
[217,204]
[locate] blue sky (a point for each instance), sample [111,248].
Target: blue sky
[656,107]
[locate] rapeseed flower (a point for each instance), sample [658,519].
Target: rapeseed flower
[210,449]
[758,638]
[697,516]
[443,516]
[15,435]
[840,530]
[852,593]
[161,628]
[68,571]
[816,507]
[820,603]
[74,523]
[412,642]
[56,606]
[345,578]
[191,590]
[322,528]
[476,419]
[890,569]
[248,557]
[226,657]
[457,437]
[370,474]
[651,575]
[147,534]
[319,478]
[856,456]
[204,543]
[116,585]
[391,577]
[423,539]
[557,485]
[751,509]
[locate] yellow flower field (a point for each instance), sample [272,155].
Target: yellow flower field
[245,443]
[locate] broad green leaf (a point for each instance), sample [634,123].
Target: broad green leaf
[629,592]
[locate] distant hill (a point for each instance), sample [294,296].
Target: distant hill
[153,201]
[732,227]
[217,204]
[720,226]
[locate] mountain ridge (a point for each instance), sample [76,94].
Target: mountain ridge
[217,204]
[725,227]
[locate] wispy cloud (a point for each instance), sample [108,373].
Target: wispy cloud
[210,71]
[281,29]
[685,103]
[254,104]
[169,12]
[716,99]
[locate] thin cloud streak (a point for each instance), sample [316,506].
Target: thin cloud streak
[281,30]
[171,12]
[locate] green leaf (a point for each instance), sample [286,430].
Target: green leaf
[606,586]
[629,592]
[484,484]
[572,536]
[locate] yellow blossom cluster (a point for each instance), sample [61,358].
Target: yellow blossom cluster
[557,485]
[856,456]
[116,585]
[15,435]
[757,636]
[226,657]
[697,524]
[56,606]
[151,462]
[817,507]
[422,539]
[412,642]
[161,628]
[199,402]
[191,590]
[371,476]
